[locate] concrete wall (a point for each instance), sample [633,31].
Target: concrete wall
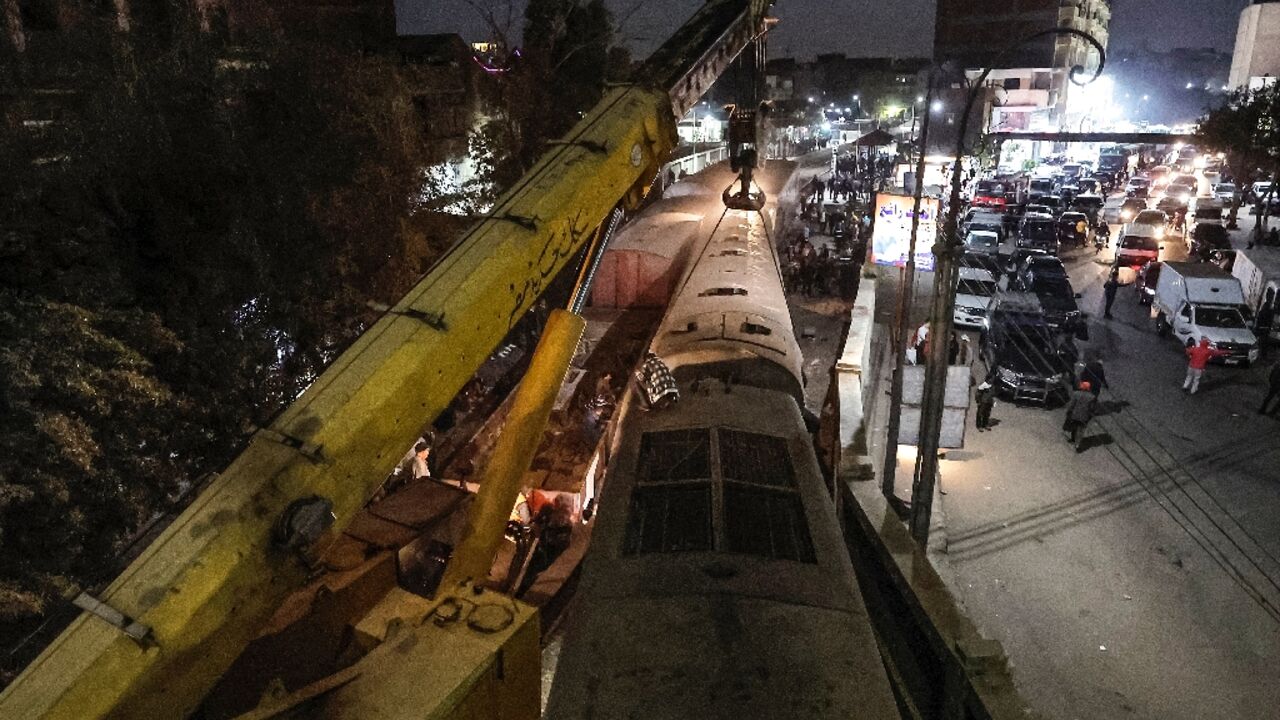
[1257,50]
[934,654]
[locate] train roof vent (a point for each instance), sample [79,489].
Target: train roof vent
[733,252]
[763,513]
[755,458]
[674,455]
[767,523]
[723,291]
[669,518]
[671,503]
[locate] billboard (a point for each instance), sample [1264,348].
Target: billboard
[891,238]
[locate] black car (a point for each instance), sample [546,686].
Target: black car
[1206,238]
[1105,179]
[1038,232]
[1058,301]
[1038,265]
[1090,204]
[1170,204]
[1073,228]
[1053,202]
[1028,360]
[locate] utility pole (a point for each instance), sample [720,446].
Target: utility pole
[947,251]
[903,310]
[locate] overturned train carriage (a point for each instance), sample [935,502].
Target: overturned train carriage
[717,584]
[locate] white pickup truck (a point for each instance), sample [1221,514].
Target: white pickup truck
[1195,300]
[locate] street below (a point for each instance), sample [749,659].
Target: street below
[1138,578]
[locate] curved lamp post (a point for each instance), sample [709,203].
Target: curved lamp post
[947,251]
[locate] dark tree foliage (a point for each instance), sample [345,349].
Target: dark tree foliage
[206,244]
[1247,129]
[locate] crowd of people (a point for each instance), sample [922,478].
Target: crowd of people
[824,256]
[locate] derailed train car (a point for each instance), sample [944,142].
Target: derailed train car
[717,584]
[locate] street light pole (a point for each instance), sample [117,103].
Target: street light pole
[947,251]
[903,311]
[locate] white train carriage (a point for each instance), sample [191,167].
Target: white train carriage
[717,584]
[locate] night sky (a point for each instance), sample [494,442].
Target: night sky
[874,28]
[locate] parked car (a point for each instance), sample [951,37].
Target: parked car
[982,242]
[1090,204]
[1029,363]
[1030,266]
[1058,302]
[1038,232]
[1207,237]
[973,294]
[1073,228]
[1226,192]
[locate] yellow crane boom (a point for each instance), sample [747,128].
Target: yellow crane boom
[202,590]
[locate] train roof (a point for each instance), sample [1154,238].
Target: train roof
[730,306]
[714,634]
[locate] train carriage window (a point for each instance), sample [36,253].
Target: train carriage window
[723,292]
[755,458]
[673,455]
[751,328]
[669,518]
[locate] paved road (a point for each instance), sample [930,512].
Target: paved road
[1139,578]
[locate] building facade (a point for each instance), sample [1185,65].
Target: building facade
[1257,52]
[1030,81]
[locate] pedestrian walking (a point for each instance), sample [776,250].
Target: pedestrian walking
[1273,391]
[1109,289]
[985,399]
[964,355]
[920,342]
[1198,356]
[1096,375]
[1080,410]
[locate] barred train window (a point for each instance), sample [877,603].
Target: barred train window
[675,455]
[672,503]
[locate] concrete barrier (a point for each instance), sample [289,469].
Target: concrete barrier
[942,667]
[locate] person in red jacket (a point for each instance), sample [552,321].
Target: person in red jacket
[1197,357]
